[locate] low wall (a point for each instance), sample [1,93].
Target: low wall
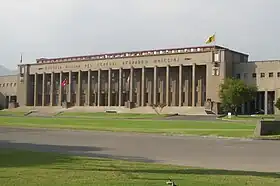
[267,128]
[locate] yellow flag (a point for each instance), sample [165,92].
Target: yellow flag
[210,39]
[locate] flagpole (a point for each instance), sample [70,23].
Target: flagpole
[215,42]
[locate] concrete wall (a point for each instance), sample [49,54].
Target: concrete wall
[267,128]
[270,70]
[8,87]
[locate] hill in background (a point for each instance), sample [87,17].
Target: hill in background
[5,71]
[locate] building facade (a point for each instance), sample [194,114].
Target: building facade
[181,77]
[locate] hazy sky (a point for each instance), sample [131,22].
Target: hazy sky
[55,28]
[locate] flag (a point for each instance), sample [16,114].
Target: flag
[64,82]
[211,39]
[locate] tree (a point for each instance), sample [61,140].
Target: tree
[158,107]
[234,92]
[277,104]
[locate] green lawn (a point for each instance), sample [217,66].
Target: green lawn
[216,128]
[13,113]
[26,168]
[251,118]
[110,115]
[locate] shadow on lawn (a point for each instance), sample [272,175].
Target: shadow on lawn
[20,154]
[15,155]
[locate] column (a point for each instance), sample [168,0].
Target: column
[109,86]
[35,89]
[78,96]
[131,85]
[60,89]
[243,108]
[167,86]
[255,103]
[69,95]
[265,101]
[98,88]
[52,89]
[120,87]
[43,89]
[199,90]
[89,88]
[180,85]
[143,87]
[155,85]
[260,100]
[193,85]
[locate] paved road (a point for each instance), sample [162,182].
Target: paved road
[231,154]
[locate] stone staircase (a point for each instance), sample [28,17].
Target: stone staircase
[55,111]
[143,110]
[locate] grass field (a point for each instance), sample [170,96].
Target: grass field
[251,118]
[26,168]
[215,128]
[111,115]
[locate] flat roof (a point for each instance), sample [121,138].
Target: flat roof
[144,53]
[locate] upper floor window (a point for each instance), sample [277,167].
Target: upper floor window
[262,75]
[245,75]
[238,76]
[254,75]
[278,74]
[270,74]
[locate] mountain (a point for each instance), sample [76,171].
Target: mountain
[5,71]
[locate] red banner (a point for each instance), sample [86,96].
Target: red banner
[64,82]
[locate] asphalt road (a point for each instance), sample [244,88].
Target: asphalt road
[213,153]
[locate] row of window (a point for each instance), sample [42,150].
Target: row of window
[8,85]
[262,75]
[128,54]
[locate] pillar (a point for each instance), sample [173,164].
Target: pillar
[199,89]
[109,86]
[131,85]
[35,89]
[155,85]
[243,108]
[180,85]
[89,88]
[69,95]
[187,87]
[78,96]
[260,100]
[60,89]
[167,86]
[265,102]
[193,85]
[44,89]
[138,88]
[143,87]
[98,87]
[120,87]
[52,89]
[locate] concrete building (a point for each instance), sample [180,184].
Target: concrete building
[178,78]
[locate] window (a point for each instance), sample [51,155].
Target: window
[270,74]
[254,75]
[245,75]
[278,74]
[262,75]
[238,76]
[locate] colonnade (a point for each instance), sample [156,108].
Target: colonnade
[134,87]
